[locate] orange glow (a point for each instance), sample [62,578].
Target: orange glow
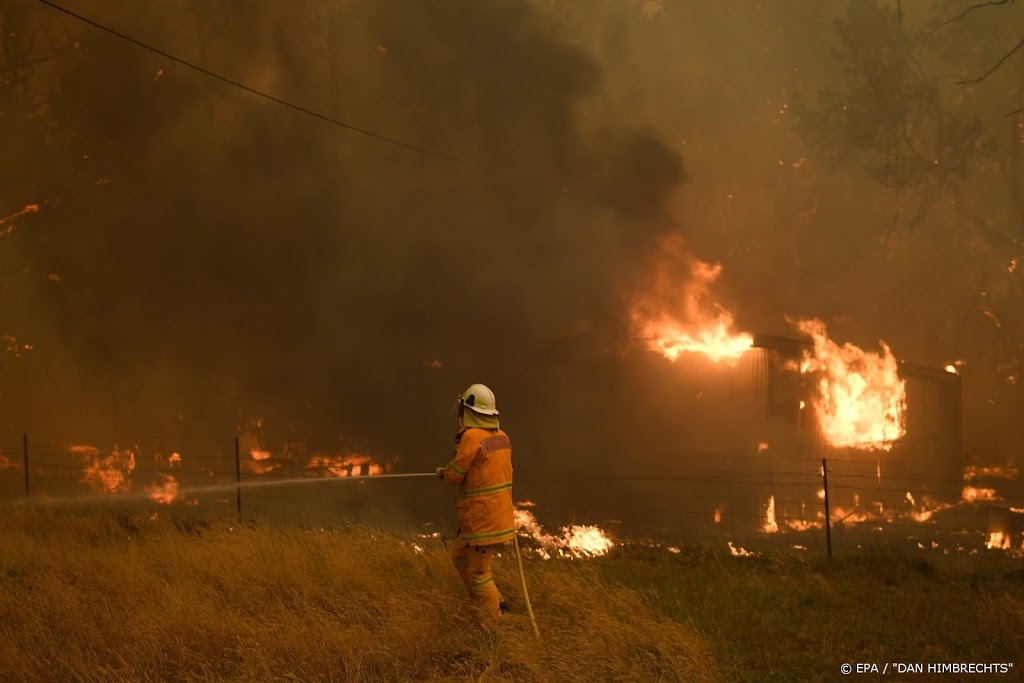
[998,540]
[576,541]
[259,462]
[5,462]
[972,472]
[762,446]
[165,492]
[109,474]
[29,208]
[972,494]
[740,552]
[678,317]
[843,516]
[344,465]
[718,516]
[770,526]
[861,399]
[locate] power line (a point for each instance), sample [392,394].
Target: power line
[242,86]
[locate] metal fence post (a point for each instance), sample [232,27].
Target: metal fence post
[828,524]
[238,479]
[24,446]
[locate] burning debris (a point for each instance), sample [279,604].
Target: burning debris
[974,495]
[344,465]
[741,552]
[258,462]
[770,526]
[7,220]
[106,474]
[975,472]
[166,492]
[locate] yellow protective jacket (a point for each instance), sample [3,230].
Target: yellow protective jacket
[482,469]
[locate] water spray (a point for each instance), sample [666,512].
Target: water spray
[219,488]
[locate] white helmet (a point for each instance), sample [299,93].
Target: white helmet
[479,399]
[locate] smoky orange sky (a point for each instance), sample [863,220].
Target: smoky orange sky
[201,255]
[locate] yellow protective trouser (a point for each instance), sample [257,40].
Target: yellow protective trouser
[473,563]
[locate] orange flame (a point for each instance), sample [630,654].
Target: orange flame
[971,494]
[972,472]
[258,462]
[29,208]
[861,398]
[344,465]
[770,526]
[741,552]
[576,541]
[675,319]
[110,474]
[998,540]
[165,492]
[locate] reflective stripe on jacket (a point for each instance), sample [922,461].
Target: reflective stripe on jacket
[482,469]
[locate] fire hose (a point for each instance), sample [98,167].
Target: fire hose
[515,539]
[515,542]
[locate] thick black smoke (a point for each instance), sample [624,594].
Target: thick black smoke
[221,256]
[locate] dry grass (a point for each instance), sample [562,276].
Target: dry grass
[121,597]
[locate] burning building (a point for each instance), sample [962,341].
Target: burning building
[911,443]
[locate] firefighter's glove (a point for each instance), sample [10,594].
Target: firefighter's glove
[440,473]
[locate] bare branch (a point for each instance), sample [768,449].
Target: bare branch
[1016,111]
[998,64]
[970,9]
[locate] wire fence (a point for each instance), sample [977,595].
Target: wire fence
[741,496]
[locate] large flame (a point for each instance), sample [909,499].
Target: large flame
[106,474]
[861,398]
[677,318]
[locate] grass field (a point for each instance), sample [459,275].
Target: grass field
[126,597]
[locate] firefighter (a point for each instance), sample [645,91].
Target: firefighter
[482,469]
